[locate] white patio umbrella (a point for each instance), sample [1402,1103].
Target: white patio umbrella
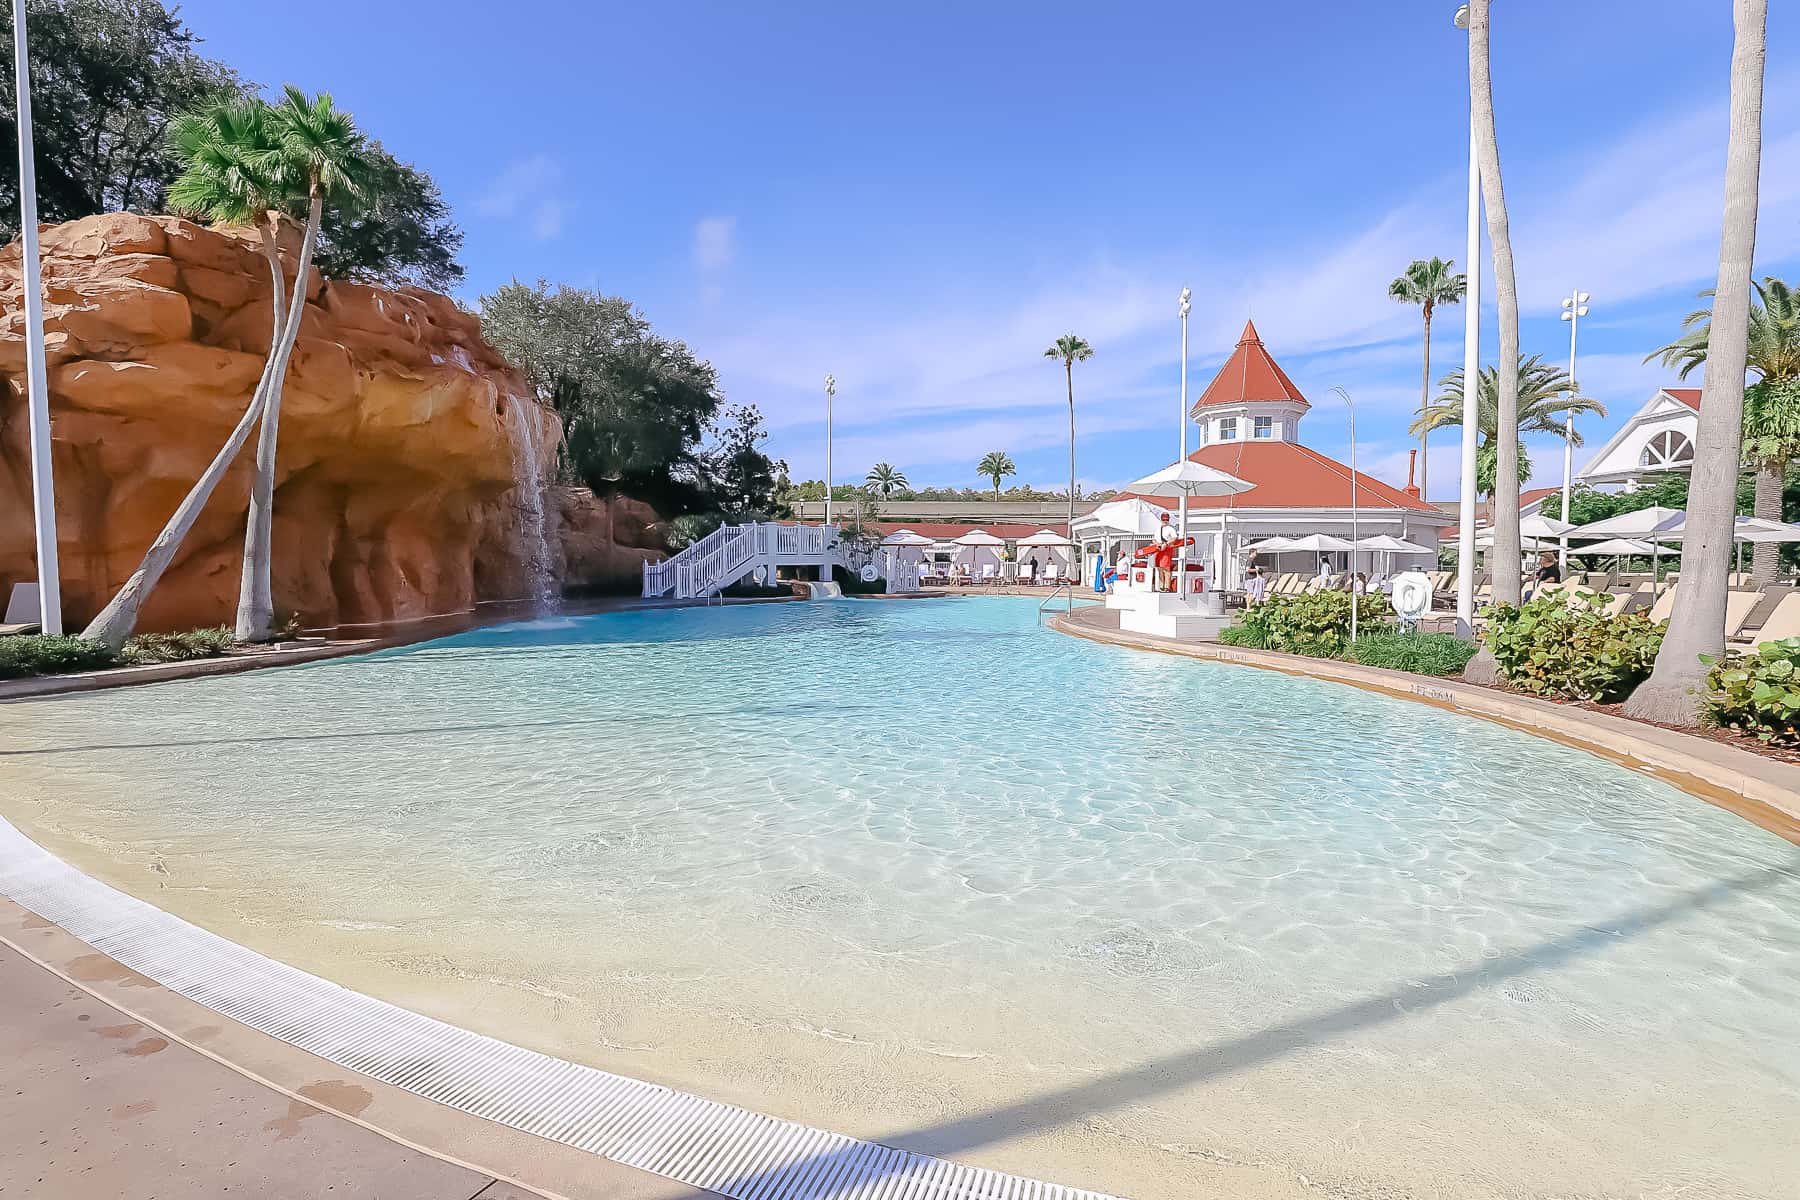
[1044,537]
[1389,545]
[1187,479]
[1655,524]
[1318,543]
[1131,517]
[906,537]
[1540,527]
[1616,548]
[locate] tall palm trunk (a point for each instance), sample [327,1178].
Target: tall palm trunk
[256,605]
[114,623]
[1697,624]
[1424,403]
[1771,482]
[1505,511]
[1069,371]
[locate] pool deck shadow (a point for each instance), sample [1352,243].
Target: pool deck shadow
[844,1173]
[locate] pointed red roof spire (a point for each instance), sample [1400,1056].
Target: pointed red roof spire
[1250,375]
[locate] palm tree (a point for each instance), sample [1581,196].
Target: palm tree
[1542,401]
[1505,504]
[1771,405]
[1697,623]
[1428,283]
[884,479]
[1071,349]
[996,466]
[237,161]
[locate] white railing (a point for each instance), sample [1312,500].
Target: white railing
[720,558]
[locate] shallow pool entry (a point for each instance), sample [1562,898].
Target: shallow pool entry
[925,873]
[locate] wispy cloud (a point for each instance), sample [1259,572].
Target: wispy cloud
[938,381]
[530,191]
[715,246]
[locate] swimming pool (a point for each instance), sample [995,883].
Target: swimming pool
[926,873]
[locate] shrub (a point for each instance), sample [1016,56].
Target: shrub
[1420,653]
[146,648]
[1243,635]
[1566,646]
[21,657]
[1316,623]
[1757,693]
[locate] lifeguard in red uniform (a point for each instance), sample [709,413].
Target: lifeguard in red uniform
[1162,555]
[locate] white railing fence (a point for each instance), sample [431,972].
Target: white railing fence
[720,558]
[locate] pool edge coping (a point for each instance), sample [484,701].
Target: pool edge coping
[603,1136]
[1762,791]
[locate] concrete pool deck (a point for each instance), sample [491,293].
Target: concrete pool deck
[112,1086]
[1759,789]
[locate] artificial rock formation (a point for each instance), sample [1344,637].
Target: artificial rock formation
[404,436]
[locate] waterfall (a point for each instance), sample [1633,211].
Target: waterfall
[823,591]
[529,488]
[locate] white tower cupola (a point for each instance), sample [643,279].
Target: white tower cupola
[1250,399]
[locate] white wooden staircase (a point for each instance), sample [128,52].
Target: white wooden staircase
[731,552]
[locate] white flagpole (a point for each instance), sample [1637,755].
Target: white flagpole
[37,388]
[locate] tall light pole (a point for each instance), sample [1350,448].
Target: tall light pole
[1354,594]
[1471,414]
[37,388]
[1181,560]
[1574,307]
[830,391]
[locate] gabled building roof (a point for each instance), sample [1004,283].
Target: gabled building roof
[1288,475]
[1249,376]
[1688,396]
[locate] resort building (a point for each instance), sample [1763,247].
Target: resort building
[1658,438]
[1249,419]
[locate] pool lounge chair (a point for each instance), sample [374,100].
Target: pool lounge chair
[1783,623]
[23,614]
[988,572]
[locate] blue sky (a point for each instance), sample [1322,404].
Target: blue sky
[919,198]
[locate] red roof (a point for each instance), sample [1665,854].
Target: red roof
[1688,396]
[948,531]
[1250,375]
[1288,475]
[1533,495]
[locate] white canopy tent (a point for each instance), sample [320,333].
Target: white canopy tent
[977,549]
[1046,547]
[902,551]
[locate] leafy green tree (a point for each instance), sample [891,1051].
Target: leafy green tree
[404,237]
[1697,622]
[996,466]
[743,478]
[1427,283]
[1070,349]
[1771,404]
[885,479]
[245,160]
[1542,400]
[108,79]
[636,407]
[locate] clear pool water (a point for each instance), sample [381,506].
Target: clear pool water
[925,872]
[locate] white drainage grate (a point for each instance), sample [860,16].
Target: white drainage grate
[727,1150]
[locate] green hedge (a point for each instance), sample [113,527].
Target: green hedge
[146,648]
[1565,646]
[1757,693]
[1316,623]
[35,654]
[1420,653]
[1243,635]
[25,657]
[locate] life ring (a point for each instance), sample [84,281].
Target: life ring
[1412,595]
